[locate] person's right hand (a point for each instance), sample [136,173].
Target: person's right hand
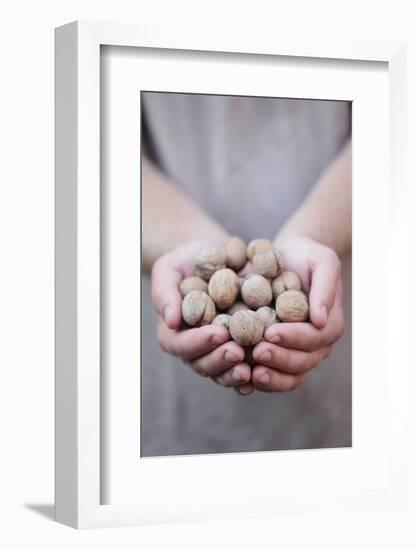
[206,349]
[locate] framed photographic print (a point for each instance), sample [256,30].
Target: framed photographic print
[167,145]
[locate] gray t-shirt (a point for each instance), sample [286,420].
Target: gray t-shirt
[249,162]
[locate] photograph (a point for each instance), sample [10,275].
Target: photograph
[209,275]
[246,247]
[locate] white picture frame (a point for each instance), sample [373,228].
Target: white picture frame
[79,410]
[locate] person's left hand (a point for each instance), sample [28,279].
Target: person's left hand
[290,350]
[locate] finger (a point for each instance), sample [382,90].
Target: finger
[270,380]
[165,292]
[217,361]
[236,376]
[300,336]
[305,336]
[288,360]
[191,343]
[324,284]
[246,389]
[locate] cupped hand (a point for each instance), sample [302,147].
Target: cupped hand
[290,350]
[208,349]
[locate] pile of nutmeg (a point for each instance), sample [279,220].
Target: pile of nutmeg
[245,306]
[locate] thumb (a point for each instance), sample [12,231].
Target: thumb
[165,293]
[324,280]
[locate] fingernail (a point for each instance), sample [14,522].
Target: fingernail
[236,375]
[275,338]
[230,357]
[245,390]
[217,340]
[323,310]
[265,357]
[167,313]
[264,378]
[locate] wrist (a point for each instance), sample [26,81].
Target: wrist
[290,233]
[294,232]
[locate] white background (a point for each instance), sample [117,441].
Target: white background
[26,301]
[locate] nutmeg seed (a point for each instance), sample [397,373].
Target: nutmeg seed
[224,288]
[235,250]
[192,283]
[209,262]
[267,263]
[258,245]
[246,328]
[256,291]
[198,308]
[238,306]
[222,319]
[267,315]
[288,280]
[292,306]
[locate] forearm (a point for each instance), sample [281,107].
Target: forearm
[169,217]
[326,213]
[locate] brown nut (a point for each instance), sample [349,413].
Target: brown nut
[267,315]
[238,306]
[198,308]
[222,319]
[292,306]
[210,261]
[224,287]
[256,291]
[267,263]
[288,280]
[235,250]
[192,283]
[246,328]
[258,245]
